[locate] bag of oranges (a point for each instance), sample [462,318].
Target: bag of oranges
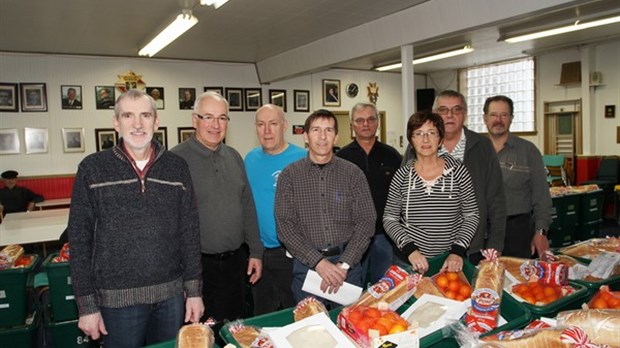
[453,285]
[604,298]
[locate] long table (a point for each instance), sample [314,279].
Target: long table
[37,226]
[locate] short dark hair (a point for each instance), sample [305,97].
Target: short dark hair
[497,98]
[321,113]
[420,118]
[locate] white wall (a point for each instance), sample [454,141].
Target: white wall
[88,72]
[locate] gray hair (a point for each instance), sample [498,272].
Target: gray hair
[450,94]
[361,106]
[134,94]
[210,95]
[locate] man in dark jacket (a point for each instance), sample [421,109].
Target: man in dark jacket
[133,230]
[13,198]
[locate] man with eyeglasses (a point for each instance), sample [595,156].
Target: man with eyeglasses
[263,165]
[324,211]
[379,162]
[478,155]
[528,202]
[228,222]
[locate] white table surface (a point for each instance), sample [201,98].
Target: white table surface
[53,202]
[33,227]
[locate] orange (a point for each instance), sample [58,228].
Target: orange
[454,285]
[460,297]
[613,302]
[397,328]
[382,329]
[392,315]
[551,298]
[372,313]
[452,275]
[465,290]
[520,288]
[599,303]
[388,323]
[535,289]
[605,295]
[442,281]
[363,326]
[548,291]
[450,294]
[355,315]
[539,296]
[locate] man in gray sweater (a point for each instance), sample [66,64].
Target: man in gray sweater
[228,219]
[133,230]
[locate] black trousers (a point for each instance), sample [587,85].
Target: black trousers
[273,291]
[519,234]
[223,284]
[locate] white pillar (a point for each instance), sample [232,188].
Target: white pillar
[408,88]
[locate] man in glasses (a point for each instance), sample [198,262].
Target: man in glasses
[379,162]
[226,209]
[478,155]
[529,206]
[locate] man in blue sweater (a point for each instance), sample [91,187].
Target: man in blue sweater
[263,165]
[133,230]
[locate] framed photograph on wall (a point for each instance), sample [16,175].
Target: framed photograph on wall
[219,90]
[185,133]
[161,136]
[36,140]
[331,92]
[34,97]
[71,97]
[104,97]
[157,93]
[278,97]
[253,99]
[105,138]
[235,99]
[187,96]
[9,141]
[9,98]
[302,100]
[73,139]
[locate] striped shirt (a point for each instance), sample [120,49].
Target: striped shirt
[432,218]
[459,150]
[324,206]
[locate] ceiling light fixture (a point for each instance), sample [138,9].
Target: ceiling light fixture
[181,24]
[457,52]
[561,30]
[216,3]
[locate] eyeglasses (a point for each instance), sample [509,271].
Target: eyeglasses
[431,134]
[456,110]
[503,115]
[212,119]
[360,121]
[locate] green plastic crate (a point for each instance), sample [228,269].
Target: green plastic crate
[61,294]
[275,319]
[13,299]
[572,301]
[589,230]
[591,207]
[66,334]
[565,219]
[23,336]
[515,313]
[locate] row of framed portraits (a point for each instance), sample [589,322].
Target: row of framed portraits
[36,140]
[33,97]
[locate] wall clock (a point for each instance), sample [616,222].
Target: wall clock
[352,90]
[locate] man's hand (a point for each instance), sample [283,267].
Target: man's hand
[333,276]
[453,263]
[92,325]
[540,244]
[418,262]
[255,270]
[194,309]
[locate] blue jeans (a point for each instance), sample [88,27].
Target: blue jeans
[145,324]
[379,256]
[354,276]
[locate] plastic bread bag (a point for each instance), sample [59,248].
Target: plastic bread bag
[195,336]
[589,249]
[308,307]
[487,293]
[548,272]
[248,336]
[9,254]
[601,325]
[394,288]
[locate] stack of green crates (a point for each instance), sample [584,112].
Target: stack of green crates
[565,219]
[13,299]
[590,214]
[23,335]
[62,315]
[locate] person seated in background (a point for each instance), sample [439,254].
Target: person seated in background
[431,206]
[15,199]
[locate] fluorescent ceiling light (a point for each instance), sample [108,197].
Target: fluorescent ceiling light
[216,3]
[181,24]
[565,29]
[457,52]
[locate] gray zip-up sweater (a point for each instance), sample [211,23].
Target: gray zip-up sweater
[133,240]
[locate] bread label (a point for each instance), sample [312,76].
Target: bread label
[485,300]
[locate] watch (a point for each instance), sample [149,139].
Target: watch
[352,90]
[542,232]
[345,266]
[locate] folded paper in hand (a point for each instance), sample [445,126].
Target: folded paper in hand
[347,294]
